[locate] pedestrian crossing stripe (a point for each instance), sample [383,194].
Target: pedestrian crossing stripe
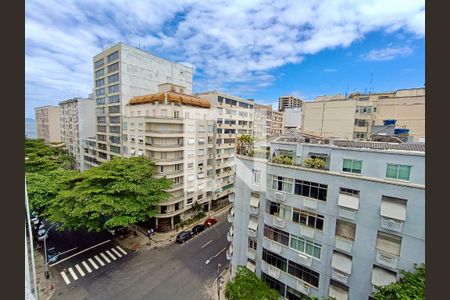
[86,266]
[80,270]
[99,260]
[121,250]
[75,277]
[110,254]
[116,253]
[105,257]
[93,263]
[64,276]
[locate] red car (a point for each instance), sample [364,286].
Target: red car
[210,221]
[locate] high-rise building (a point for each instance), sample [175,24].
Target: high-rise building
[352,117]
[289,102]
[267,122]
[48,124]
[176,131]
[337,228]
[120,73]
[77,117]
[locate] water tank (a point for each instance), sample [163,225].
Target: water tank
[401,131]
[389,122]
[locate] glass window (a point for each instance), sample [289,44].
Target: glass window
[276,235]
[303,273]
[352,166]
[113,88]
[274,260]
[99,92]
[280,183]
[308,218]
[311,189]
[101,101]
[400,172]
[99,73]
[306,246]
[113,99]
[113,78]
[274,284]
[99,63]
[113,56]
[113,67]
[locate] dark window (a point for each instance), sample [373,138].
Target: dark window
[303,273]
[113,56]
[113,78]
[114,109]
[293,294]
[113,67]
[311,189]
[276,235]
[99,63]
[113,99]
[308,218]
[274,284]
[274,260]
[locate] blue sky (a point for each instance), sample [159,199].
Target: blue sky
[257,49]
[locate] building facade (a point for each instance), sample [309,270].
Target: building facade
[352,117]
[336,231]
[77,123]
[289,102]
[267,122]
[48,124]
[120,73]
[293,119]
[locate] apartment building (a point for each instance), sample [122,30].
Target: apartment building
[48,124]
[267,122]
[234,118]
[77,122]
[352,117]
[289,102]
[176,131]
[336,231]
[293,119]
[120,73]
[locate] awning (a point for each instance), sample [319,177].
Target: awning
[389,243]
[382,277]
[251,266]
[325,155]
[342,263]
[253,223]
[393,209]
[345,200]
[338,293]
[254,202]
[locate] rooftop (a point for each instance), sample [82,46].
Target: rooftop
[379,145]
[170,97]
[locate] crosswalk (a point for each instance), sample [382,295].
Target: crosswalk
[89,265]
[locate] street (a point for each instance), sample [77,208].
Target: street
[175,272]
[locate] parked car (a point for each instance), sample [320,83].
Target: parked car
[210,221]
[52,255]
[41,235]
[183,236]
[198,228]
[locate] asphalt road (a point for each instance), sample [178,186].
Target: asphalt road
[174,272]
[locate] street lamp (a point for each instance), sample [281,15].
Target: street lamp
[218,280]
[45,251]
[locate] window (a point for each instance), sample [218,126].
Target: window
[189,200]
[350,192]
[359,135]
[113,56]
[190,165]
[361,123]
[308,218]
[393,208]
[114,129]
[352,166]
[303,273]
[115,149]
[99,92]
[113,67]
[101,101]
[279,210]
[113,78]
[113,99]
[276,235]
[293,294]
[389,243]
[99,63]
[113,88]
[100,112]
[345,230]
[273,283]
[256,176]
[176,114]
[280,183]
[201,141]
[101,128]
[101,146]
[114,139]
[400,172]
[114,109]
[101,137]
[311,189]
[274,260]
[305,246]
[99,73]
[252,244]
[114,120]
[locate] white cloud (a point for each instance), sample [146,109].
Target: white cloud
[387,53]
[234,45]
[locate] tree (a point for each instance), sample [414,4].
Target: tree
[42,158]
[282,159]
[316,163]
[411,286]
[119,192]
[247,286]
[245,144]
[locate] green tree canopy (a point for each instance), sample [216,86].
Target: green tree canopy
[42,158]
[119,192]
[247,286]
[411,286]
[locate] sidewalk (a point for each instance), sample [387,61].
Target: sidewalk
[44,293]
[160,240]
[225,277]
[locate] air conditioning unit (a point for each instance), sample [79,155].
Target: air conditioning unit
[280,196]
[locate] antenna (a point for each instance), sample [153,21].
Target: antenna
[370,86]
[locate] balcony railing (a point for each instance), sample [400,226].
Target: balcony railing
[164,146]
[391,224]
[307,231]
[230,217]
[344,244]
[347,213]
[229,254]
[278,222]
[274,247]
[251,253]
[304,259]
[387,259]
[229,236]
[163,131]
[339,276]
[303,287]
[254,210]
[274,272]
[310,203]
[251,232]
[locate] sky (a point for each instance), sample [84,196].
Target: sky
[257,49]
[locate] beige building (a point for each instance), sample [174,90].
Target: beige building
[48,124]
[77,122]
[289,102]
[267,122]
[176,131]
[352,117]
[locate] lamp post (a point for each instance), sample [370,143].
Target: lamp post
[218,281]
[45,252]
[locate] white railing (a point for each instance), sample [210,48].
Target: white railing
[230,217]
[344,244]
[391,224]
[310,203]
[304,259]
[274,247]
[229,236]
[347,213]
[303,287]
[278,222]
[229,254]
[254,210]
[387,259]
[339,276]
[274,272]
[251,253]
[307,231]
[251,232]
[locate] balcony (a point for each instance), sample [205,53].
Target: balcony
[280,196]
[344,244]
[307,231]
[387,259]
[231,198]
[303,288]
[310,203]
[230,234]
[164,133]
[339,276]
[230,217]
[304,259]
[347,213]
[254,210]
[275,247]
[251,253]
[229,254]
[278,222]
[251,232]
[274,272]
[391,224]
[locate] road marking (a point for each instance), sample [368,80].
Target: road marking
[75,277]
[121,250]
[64,276]
[86,266]
[116,253]
[208,260]
[80,270]
[93,263]
[110,254]
[99,260]
[79,253]
[206,244]
[105,257]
